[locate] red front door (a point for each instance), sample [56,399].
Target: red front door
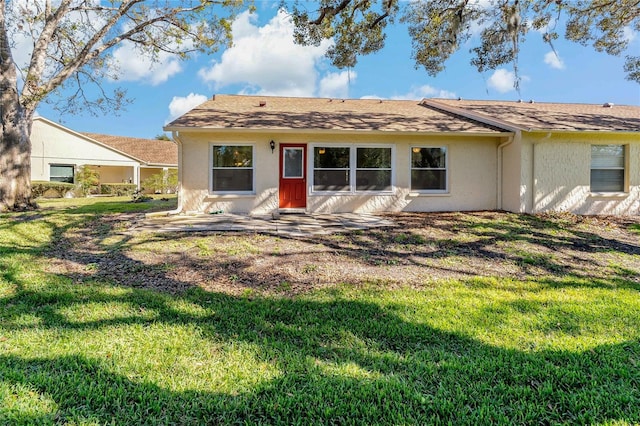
[293,176]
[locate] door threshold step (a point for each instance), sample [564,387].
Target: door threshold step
[292,211]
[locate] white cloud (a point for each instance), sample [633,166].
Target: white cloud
[425,91]
[181,104]
[502,80]
[554,61]
[476,27]
[628,34]
[336,85]
[133,66]
[267,61]
[417,93]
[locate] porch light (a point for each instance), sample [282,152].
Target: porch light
[415,149]
[272,145]
[321,151]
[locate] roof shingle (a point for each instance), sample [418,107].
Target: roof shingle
[316,114]
[553,116]
[149,151]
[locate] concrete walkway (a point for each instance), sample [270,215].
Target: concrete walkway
[285,224]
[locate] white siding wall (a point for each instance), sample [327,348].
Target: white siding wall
[51,144]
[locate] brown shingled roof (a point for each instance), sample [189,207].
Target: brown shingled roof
[148,151]
[551,116]
[285,113]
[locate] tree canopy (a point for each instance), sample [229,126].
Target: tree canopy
[47,46]
[72,41]
[438,28]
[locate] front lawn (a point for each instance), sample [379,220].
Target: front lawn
[474,318]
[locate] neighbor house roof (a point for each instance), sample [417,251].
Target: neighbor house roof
[148,151]
[235,112]
[542,116]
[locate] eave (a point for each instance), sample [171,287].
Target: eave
[181,129]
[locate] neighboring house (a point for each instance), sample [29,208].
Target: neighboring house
[57,152]
[154,155]
[256,154]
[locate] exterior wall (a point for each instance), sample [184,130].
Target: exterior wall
[472,166]
[556,174]
[51,144]
[511,180]
[147,172]
[111,174]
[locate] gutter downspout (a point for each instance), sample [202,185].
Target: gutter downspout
[501,167]
[178,209]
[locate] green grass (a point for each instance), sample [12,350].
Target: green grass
[473,351]
[108,204]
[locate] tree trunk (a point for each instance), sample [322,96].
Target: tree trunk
[15,125]
[15,162]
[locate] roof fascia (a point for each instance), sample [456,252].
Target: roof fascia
[158,165]
[335,132]
[85,137]
[582,132]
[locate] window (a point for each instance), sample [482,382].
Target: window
[232,169]
[331,171]
[348,169]
[607,168]
[429,169]
[373,169]
[293,159]
[61,173]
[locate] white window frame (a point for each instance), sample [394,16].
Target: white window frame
[446,170]
[252,168]
[353,159]
[624,168]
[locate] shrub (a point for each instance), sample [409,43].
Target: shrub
[117,189]
[139,197]
[87,181]
[50,189]
[159,183]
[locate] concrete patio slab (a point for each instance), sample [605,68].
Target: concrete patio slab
[285,224]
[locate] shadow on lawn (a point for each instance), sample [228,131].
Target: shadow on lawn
[460,245]
[395,371]
[402,372]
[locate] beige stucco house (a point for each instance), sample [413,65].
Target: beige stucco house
[57,152]
[577,158]
[257,154]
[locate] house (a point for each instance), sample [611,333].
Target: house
[577,158]
[257,154]
[57,152]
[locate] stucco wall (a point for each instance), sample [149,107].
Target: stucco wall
[472,163]
[51,144]
[111,174]
[556,174]
[511,180]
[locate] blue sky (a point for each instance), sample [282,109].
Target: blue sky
[265,61]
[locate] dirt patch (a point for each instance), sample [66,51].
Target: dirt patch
[422,249]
